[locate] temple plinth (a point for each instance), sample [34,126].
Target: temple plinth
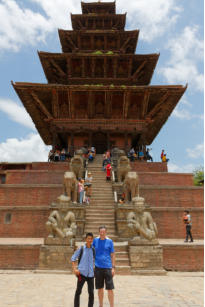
[98,92]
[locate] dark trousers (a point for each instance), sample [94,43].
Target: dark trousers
[90,282]
[188,233]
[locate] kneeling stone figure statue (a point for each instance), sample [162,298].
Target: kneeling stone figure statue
[61,222]
[141,222]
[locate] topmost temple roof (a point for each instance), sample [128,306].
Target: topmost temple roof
[98,7]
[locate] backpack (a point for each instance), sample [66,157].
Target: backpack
[81,253]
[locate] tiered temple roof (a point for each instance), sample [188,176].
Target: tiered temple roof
[98,84]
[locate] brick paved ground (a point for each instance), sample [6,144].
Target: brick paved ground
[29,289]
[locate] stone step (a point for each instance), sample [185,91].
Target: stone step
[120,247]
[122,262]
[100,214]
[103,205]
[95,226]
[92,209]
[123,270]
[122,255]
[109,219]
[94,229]
[98,199]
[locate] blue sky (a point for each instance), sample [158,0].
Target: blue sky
[172,27]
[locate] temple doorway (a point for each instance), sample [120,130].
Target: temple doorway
[99,141]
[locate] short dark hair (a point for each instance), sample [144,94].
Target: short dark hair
[187,211]
[89,234]
[102,227]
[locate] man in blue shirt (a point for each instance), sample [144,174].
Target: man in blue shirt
[85,270]
[104,266]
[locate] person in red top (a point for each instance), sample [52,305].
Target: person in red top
[108,171]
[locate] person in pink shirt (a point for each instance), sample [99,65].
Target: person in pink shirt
[81,190]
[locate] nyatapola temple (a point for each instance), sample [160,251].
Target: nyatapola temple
[99,94]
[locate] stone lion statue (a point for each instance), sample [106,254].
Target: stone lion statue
[61,222]
[70,186]
[123,168]
[131,186]
[77,166]
[141,222]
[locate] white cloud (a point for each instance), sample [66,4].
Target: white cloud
[174,168]
[16,113]
[185,59]
[29,149]
[197,152]
[21,26]
[152,17]
[182,113]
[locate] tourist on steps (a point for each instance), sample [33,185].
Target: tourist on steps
[81,190]
[85,270]
[104,266]
[88,183]
[108,171]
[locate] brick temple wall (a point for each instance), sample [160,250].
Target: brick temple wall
[44,194]
[35,177]
[19,256]
[163,178]
[175,257]
[26,222]
[170,225]
[183,258]
[149,166]
[27,195]
[49,176]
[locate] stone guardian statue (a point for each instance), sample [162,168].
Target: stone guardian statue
[131,186]
[141,222]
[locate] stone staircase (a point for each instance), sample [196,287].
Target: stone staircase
[101,211]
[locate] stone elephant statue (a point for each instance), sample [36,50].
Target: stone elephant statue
[131,186]
[70,186]
[123,168]
[77,166]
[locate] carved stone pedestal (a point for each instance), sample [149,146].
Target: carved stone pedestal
[146,258]
[56,257]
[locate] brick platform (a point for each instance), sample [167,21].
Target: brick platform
[177,256]
[29,189]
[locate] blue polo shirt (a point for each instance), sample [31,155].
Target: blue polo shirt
[103,251]
[86,265]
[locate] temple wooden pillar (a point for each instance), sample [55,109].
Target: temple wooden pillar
[108,140]
[90,139]
[126,141]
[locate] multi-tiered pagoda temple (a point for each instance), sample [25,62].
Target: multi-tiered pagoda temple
[98,90]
